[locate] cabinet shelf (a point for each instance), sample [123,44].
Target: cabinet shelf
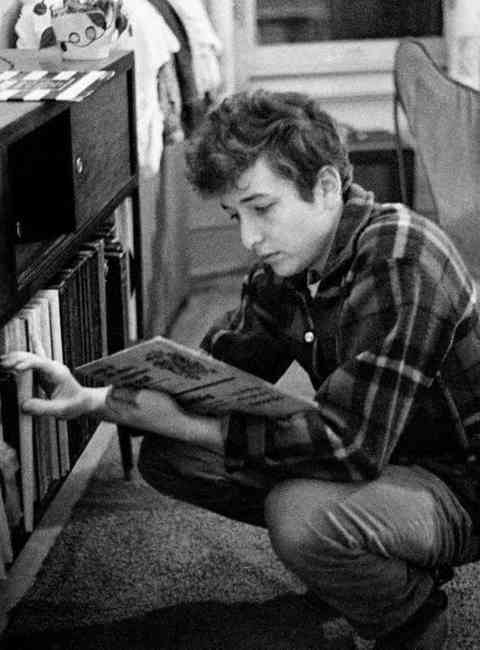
[65,167]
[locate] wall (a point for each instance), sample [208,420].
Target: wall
[352,78]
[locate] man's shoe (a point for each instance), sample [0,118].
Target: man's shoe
[427,629]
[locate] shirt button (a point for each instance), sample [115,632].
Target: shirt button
[309,337]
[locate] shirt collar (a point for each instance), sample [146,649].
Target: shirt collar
[357,210]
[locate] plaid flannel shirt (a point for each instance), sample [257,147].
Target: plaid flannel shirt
[390,340]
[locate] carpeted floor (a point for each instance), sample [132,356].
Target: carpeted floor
[133,569]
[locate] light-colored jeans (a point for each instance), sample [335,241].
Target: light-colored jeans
[367,549]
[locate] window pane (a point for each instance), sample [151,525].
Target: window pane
[294,21]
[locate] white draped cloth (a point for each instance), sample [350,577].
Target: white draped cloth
[204,43]
[153,44]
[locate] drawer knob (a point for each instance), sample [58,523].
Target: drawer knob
[79,166]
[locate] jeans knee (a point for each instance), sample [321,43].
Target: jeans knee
[287,522]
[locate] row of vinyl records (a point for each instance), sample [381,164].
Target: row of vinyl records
[83,314]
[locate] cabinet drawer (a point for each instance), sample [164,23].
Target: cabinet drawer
[101,155]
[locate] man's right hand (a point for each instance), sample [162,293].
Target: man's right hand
[66,397]
[144,409]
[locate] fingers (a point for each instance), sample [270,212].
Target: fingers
[121,402]
[131,403]
[53,376]
[19,361]
[36,344]
[36,406]
[67,398]
[22,361]
[123,395]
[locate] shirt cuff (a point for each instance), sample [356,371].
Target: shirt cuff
[244,441]
[234,433]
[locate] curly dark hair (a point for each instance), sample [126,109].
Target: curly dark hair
[289,129]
